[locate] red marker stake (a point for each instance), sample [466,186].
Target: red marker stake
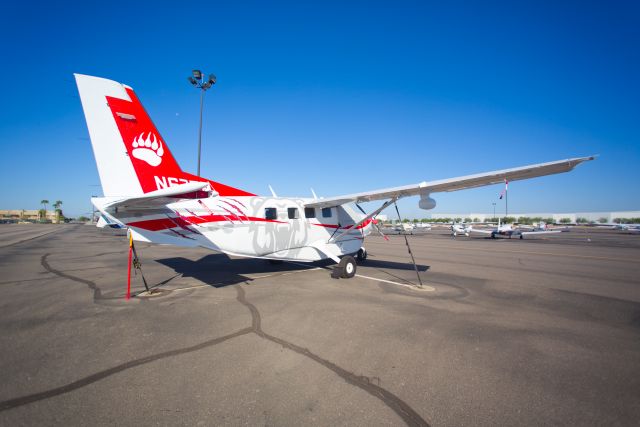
[129,268]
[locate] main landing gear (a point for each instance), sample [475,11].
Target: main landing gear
[361,255]
[347,266]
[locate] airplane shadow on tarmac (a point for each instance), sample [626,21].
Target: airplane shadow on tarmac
[218,270]
[392,265]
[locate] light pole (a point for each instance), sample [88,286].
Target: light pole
[494,210]
[198,80]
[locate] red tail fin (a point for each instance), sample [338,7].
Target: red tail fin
[154,165]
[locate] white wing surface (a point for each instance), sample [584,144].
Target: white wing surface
[533,233]
[481,230]
[453,184]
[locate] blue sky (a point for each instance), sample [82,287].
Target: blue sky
[335,96]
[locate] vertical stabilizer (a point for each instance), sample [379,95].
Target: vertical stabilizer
[131,155]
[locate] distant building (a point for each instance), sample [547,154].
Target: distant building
[572,216]
[16,215]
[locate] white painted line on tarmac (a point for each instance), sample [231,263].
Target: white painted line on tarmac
[190,287]
[426,288]
[286,274]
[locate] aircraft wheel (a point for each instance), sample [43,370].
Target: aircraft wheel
[493,235]
[348,264]
[521,237]
[362,255]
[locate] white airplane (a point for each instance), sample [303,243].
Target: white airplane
[146,191]
[461,228]
[616,226]
[509,230]
[405,227]
[629,228]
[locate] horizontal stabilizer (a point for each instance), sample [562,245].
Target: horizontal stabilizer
[159,198]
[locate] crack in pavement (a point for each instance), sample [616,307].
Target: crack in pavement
[403,410]
[393,402]
[97,294]
[24,400]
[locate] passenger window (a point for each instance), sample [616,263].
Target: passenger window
[293,213]
[309,212]
[270,213]
[326,212]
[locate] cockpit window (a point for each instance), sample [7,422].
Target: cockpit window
[293,213]
[309,212]
[326,212]
[270,213]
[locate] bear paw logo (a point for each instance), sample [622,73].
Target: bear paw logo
[150,149]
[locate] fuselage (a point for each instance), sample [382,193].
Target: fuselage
[263,227]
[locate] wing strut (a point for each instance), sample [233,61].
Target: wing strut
[374,223]
[371,215]
[408,247]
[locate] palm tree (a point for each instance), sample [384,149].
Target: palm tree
[57,206]
[44,203]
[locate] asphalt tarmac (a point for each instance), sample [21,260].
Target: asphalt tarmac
[504,332]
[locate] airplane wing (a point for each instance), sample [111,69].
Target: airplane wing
[155,199]
[480,230]
[454,184]
[529,233]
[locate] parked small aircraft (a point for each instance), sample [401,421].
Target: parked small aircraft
[629,227]
[461,228]
[423,225]
[404,227]
[509,230]
[146,191]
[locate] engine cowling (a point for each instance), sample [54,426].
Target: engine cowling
[426,202]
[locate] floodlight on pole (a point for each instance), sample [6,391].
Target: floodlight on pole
[198,80]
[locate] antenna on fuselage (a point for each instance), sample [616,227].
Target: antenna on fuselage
[273,193]
[314,194]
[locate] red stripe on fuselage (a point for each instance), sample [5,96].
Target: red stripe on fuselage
[364,224]
[166,223]
[185,221]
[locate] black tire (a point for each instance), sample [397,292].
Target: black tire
[348,265]
[361,255]
[521,237]
[493,235]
